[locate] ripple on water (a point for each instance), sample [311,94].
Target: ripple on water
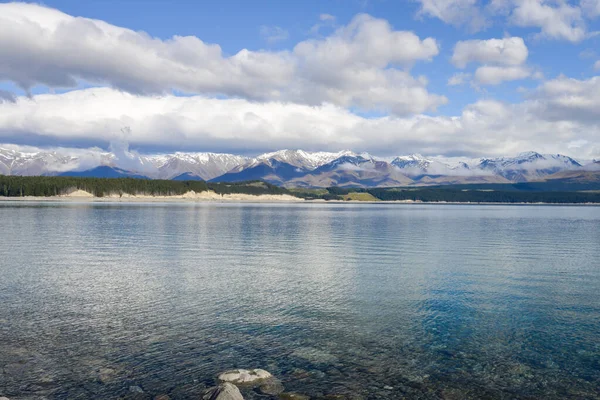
[361,301]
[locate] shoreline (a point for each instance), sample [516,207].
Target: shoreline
[245,198]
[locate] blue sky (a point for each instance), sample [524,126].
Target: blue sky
[555,59]
[235,25]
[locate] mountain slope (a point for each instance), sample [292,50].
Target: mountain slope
[103,172]
[295,167]
[303,159]
[528,166]
[352,171]
[203,165]
[270,170]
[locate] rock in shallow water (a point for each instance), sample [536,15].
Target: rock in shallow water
[244,375]
[136,389]
[225,391]
[271,387]
[293,396]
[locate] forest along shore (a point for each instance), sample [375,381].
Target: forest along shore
[41,188]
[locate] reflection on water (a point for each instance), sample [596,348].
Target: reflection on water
[363,301]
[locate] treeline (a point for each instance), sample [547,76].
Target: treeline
[46,186]
[453,195]
[480,196]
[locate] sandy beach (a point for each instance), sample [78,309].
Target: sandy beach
[191,196]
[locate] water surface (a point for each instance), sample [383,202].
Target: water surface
[362,301]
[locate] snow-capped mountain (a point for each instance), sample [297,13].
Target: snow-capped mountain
[15,162]
[353,171]
[415,165]
[528,166]
[201,165]
[303,159]
[161,166]
[291,167]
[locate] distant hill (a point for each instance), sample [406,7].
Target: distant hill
[187,177]
[270,170]
[103,172]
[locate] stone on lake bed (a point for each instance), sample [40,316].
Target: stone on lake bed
[242,376]
[136,389]
[4,398]
[225,391]
[271,387]
[293,396]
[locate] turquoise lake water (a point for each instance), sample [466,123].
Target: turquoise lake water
[355,300]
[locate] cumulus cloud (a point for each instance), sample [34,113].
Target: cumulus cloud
[274,34]
[591,7]
[597,65]
[506,51]
[555,19]
[503,59]
[5,95]
[493,75]
[455,12]
[559,112]
[569,99]
[364,64]
[459,78]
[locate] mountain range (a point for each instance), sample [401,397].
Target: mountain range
[298,168]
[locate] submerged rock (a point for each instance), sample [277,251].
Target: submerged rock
[4,398]
[293,396]
[315,355]
[136,389]
[271,387]
[242,376]
[106,375]
[225,391]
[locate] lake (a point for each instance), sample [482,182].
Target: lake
[356,301]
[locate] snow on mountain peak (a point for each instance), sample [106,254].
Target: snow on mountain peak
[303,159]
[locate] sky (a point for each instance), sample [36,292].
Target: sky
[390,77]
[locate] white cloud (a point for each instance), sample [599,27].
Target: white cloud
[506,51]
[556,19]
[326,17]
[454,12]
[591,7]
[493,75]
[356,66]
[597,65]
[5,95]
[274,34]
[569,99]
[559,112]
[503,59]
[459,78]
